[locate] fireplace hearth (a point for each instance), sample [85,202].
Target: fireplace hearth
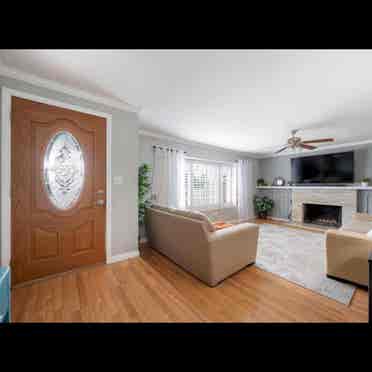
[321,214]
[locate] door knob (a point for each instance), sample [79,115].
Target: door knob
[100,202]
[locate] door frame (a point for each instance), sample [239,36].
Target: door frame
[6,96]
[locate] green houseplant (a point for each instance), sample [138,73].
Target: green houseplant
[143,191]
[263,205]
[366,181]
[261,182]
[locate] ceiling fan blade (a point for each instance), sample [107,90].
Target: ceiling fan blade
[282,149]
[308,147]
[320,140]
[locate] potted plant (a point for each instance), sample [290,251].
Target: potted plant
[365,182]
[143,192]
[261,182]
[263,205]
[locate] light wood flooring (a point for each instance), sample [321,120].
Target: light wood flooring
[151,288]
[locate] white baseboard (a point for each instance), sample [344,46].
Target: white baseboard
[123,257]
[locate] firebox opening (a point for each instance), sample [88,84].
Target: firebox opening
[319,214]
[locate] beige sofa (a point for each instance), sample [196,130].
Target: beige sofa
[190,240]
[347,250]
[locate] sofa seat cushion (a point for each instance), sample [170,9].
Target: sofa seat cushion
[361,227]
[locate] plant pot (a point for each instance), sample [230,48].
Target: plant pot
[262,215]
[365,184]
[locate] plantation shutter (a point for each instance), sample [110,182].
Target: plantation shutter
[209,185]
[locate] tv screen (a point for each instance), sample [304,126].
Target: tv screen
[323,169]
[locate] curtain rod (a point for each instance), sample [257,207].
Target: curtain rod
[167,148]
[211,161]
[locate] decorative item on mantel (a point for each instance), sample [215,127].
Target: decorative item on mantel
[365,182]
[278,181]
[263,205]
[261,182]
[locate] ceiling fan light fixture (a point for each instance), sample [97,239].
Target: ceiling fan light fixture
[297,145]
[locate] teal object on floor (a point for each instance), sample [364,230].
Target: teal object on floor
[4,295]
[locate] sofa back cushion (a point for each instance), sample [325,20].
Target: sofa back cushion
[195,215]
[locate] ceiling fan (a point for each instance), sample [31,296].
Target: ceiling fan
[296,142]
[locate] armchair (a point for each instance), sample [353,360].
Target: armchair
[348,248]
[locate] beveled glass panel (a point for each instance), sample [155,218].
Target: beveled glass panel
[64,169]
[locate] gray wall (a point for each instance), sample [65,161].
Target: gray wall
[197,151]
[280,166]
[124,229]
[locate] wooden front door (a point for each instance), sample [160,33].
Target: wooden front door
[58,189]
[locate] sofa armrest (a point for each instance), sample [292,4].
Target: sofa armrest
[347,255]
[348,235]
[362,217]
[235,240]
[231,249]
[236,232]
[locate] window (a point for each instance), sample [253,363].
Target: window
[209,185]
[64,170]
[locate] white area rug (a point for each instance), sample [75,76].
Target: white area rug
[299,256]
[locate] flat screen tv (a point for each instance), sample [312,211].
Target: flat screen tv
[323,169]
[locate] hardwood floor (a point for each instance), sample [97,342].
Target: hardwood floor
[151,288]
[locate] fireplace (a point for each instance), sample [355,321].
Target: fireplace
[321,214]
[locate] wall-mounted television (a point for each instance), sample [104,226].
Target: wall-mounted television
[323,169]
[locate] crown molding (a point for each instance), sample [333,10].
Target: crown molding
[322,148]
[61,88]
[150,133]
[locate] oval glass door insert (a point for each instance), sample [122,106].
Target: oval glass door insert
[64,169]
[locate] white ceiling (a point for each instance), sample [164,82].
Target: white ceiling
[245,100]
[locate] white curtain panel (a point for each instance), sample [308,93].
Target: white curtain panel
[246,188]
[168,177]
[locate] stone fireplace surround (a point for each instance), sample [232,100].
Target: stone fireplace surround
[345,198]
[282,196]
